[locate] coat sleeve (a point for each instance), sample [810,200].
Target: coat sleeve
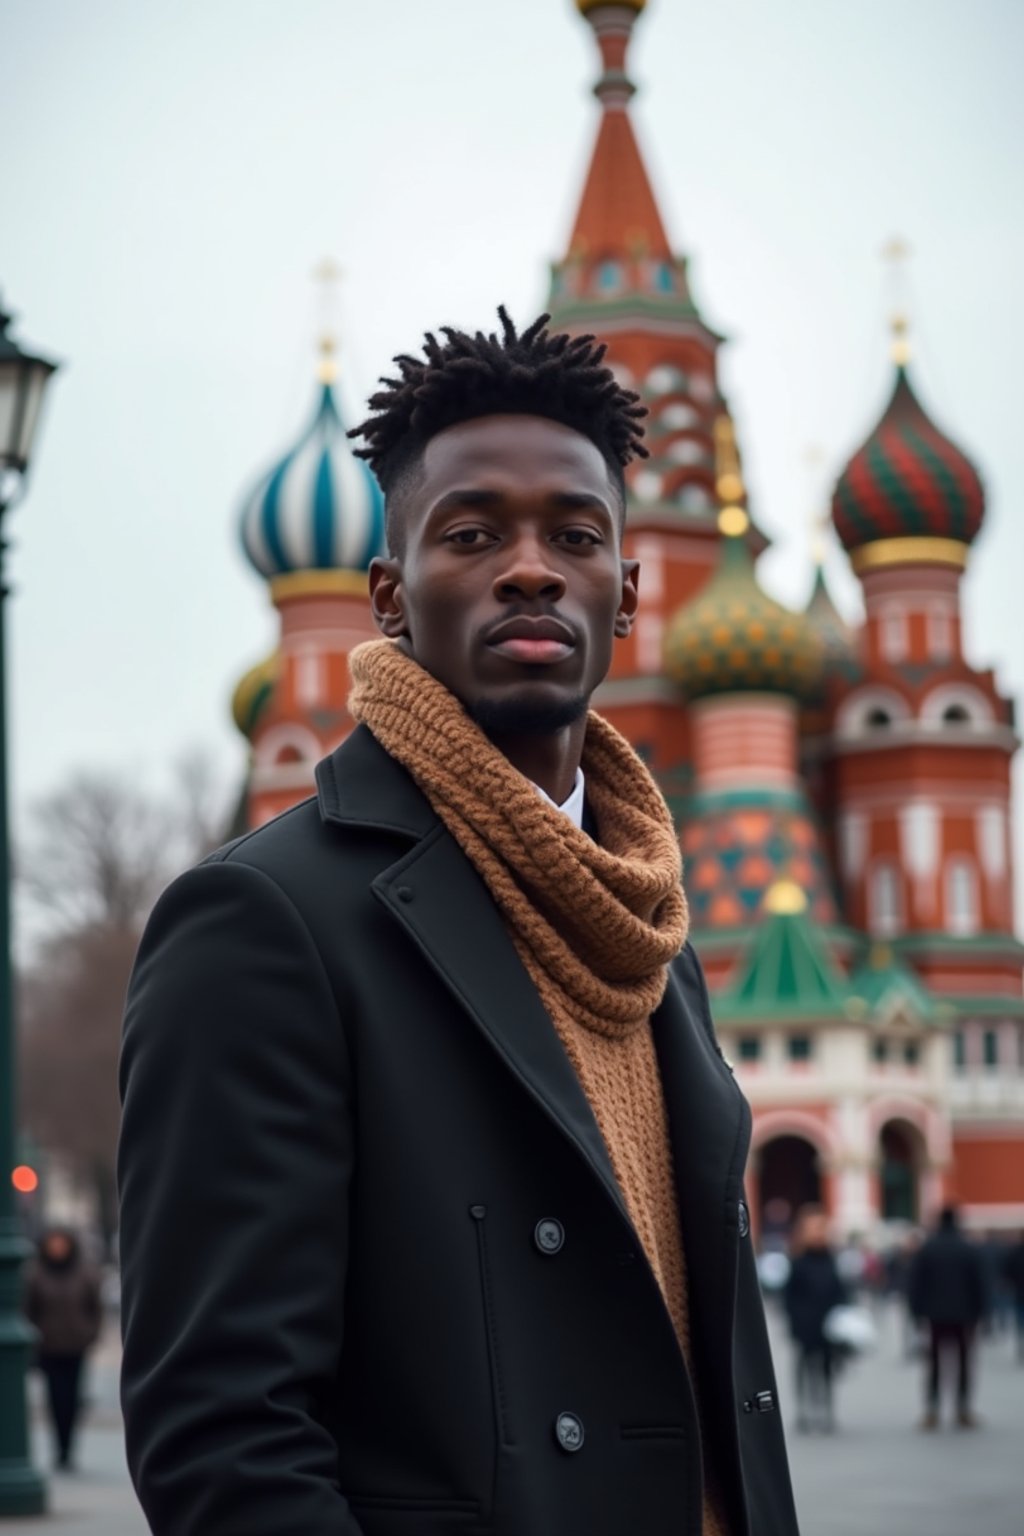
[234,1166]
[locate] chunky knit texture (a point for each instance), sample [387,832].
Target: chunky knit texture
[595,925]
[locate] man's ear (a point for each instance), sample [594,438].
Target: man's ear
[630,599]
[386,597]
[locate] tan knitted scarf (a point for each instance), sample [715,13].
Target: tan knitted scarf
[595,924]
[600,923]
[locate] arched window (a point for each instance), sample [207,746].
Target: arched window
[885,899]
[872,709]
[609,277]
[956,704]
[962,915]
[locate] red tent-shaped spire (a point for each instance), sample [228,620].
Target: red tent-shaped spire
[618,214]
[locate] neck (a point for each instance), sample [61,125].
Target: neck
[551,761]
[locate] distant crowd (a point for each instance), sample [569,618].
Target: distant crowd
[952,1287]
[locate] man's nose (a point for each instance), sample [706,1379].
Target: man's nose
[529,573]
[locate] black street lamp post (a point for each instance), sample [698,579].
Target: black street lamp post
[23,380]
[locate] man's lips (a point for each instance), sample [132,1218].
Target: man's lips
[522,648]
[538,641]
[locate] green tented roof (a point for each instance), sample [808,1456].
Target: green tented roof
[883,981]
[785,974]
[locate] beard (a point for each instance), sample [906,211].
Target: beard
[525,716]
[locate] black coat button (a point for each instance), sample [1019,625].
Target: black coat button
[569,1432]
[744,1218]
[549,1235]
[403,892]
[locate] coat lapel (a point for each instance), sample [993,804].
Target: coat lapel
[434,893]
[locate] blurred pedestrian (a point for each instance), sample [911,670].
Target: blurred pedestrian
[813,1289]
[947,1291]
[1013,1271]
[62,1301]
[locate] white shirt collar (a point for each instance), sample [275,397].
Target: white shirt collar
[573,807]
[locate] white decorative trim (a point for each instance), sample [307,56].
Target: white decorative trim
[971,700]
[852,716]
[278,737]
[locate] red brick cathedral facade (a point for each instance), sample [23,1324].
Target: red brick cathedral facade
[843,797]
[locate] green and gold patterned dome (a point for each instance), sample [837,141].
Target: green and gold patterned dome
[733,638]
[253,693]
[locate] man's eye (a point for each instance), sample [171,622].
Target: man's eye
[578,536]
[466,536]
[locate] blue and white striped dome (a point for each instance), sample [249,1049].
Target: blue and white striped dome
[319,508]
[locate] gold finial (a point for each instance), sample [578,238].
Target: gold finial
[785,898]
[732,519]
[896,252]
[733,522]
[900,347]
[327,275]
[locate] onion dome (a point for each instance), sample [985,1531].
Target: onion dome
[253,693]
[733,638]
[319,507]
[908,481]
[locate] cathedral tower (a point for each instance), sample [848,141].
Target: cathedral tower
[310,527]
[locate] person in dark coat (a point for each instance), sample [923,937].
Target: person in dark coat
[947,1291]
[431,1170]
[1013,1273]
[62,1300]
[813,1288]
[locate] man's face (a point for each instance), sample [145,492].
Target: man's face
[511,586]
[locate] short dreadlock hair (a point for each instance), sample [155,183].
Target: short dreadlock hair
[559,376]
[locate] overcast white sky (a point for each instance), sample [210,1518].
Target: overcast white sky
[171,173]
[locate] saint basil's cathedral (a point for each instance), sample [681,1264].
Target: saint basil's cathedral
[843,796]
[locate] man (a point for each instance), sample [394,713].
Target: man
[947,1291]
[431,1171]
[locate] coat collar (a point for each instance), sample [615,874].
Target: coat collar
[437,897]
[361,785]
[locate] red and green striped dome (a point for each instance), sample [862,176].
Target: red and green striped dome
[907,481]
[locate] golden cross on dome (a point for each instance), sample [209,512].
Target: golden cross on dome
[895,252]
[327,274]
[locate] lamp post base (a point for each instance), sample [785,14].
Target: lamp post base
[22,1492]
[22,1487]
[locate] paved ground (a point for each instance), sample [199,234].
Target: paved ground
[879,1476]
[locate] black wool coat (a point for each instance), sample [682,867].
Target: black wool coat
[378,1277]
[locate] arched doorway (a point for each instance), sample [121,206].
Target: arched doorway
[901,1157]
[788,1177]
